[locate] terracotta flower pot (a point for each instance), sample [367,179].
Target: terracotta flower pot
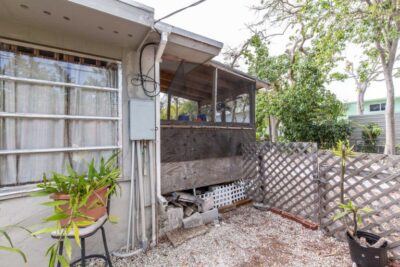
[95,207]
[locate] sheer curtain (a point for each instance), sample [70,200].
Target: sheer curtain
[23,133]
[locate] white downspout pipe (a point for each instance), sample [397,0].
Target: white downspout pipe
[153,194]
[163,42]
[131,221]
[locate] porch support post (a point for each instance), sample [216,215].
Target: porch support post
[169,107]
[214,95]
[253,104]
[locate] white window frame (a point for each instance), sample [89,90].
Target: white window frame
[17,190]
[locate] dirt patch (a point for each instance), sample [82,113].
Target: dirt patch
[248,237]
[272,251]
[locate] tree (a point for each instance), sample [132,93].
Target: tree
[374,24]
[363,75]
[305,109]
[262,117]
[298,99]
[275,70]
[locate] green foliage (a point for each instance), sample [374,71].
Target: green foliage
[188,107]
[179,106]
[262,121]
[79,187]
[350,209]
[344,151]
[306,113]
[327,133]
[306,110]
[273,69]
[324,28]
[370,134]
[10,247]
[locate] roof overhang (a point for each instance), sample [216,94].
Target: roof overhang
[188,46]
[123,23]
[259,83]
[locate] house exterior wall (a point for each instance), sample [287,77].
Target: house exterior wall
[379,119]
[351,107]
[25,210]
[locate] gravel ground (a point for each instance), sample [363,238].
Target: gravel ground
[248,237]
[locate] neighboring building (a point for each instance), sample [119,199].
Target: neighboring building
[373,106]
[374,112]
[379,119]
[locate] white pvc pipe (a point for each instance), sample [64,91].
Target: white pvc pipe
[163,42]
[131,224]
[153,194]
[131,221]
[141,194]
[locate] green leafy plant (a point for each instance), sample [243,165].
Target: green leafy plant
[68,215]
[350,209]
[370,134]
[299,100]
[344,151]
[4,232]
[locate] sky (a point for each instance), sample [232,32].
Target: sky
[225,21]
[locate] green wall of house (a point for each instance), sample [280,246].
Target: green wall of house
[351,107]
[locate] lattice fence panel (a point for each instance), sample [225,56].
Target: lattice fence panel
[295,177]
[371,180]
[283,175]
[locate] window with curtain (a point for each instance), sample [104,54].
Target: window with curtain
[30,131]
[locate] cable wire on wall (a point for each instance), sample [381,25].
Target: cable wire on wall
[142,80]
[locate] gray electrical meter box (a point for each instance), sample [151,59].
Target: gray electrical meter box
[142,119]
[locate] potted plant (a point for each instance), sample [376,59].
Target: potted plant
[366,249]
[78,200]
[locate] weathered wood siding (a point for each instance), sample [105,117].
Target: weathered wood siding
[195,157]
[197,173]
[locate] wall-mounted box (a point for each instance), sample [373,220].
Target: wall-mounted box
[142,119]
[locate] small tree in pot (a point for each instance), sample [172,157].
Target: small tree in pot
[79,200]
[366,249]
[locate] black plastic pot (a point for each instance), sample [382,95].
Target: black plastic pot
[368,257]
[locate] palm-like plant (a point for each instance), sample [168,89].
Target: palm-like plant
[350,209]
[344,151]
[79,187]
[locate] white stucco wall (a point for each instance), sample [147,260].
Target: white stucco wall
[26,210]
